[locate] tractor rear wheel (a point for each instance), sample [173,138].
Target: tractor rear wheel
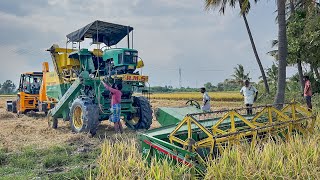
[143,118]
[84,116]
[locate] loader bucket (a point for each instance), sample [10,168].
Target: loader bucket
[201,136]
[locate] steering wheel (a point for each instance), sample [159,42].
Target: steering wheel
[194,103]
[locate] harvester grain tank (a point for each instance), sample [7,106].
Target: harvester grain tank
[77,86]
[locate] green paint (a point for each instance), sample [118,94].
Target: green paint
[171,117]
[168,116]
[57,91]
[61,109]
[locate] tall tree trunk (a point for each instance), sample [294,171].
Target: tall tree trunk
[256,54]
[300,74]
[282,53]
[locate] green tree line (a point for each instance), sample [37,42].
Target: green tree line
[8,87]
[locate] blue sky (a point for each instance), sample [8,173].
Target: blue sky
[168,35]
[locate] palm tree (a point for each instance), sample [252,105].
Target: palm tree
[282,52]
[272,74]
[239,74]
[245,6]
[274,53]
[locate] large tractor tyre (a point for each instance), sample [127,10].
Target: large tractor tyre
[143,117]
[14,106]
[52,121]
[84,116]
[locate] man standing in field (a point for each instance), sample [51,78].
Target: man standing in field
[250,94]
[205,100]
[307,92]
[115,105]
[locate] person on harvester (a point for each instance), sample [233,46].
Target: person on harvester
[116,94]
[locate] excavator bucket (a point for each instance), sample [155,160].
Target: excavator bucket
[202,136]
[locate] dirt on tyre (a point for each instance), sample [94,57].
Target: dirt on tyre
[52,122]
[143,118]
[84,116]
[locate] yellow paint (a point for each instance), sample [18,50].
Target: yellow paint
[97,52]
[52,79]
[27,102]
[219,138]
[138,78]
[140,64]
[43,89]
[77,118]
[63,64]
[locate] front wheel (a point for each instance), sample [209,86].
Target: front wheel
[84,116]
[142,119]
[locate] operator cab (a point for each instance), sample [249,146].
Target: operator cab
[120,61]
[30,83]
[107,62]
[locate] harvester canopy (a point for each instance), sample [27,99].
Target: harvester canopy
[108,33]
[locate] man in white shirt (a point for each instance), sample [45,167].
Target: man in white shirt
[250,94]
[205,100]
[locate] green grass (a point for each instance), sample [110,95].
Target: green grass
[58,162]
[8,95]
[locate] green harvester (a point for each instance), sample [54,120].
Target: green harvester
[76,82]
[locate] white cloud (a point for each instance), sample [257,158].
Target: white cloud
[168,34]
[13,64]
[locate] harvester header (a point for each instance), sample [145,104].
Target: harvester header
[193,138]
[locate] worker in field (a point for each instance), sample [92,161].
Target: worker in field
[250,94]
[116,94]
[206,100]
[307,92]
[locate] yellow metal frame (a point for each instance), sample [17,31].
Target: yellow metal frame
[23,104]
[293,117]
